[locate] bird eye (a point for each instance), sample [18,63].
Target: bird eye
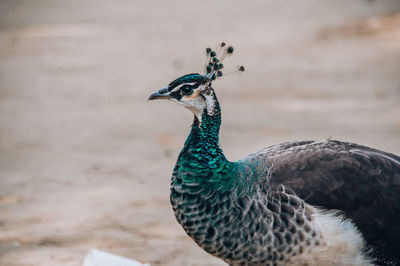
[186,90]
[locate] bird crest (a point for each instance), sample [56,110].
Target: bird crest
[214,58]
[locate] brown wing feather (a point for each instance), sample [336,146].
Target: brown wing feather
[362,182]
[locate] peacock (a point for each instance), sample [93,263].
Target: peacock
[297,203]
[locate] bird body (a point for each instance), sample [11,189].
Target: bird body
[296,203]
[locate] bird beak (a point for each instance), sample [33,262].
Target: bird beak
[161,94]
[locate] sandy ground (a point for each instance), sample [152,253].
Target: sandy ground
[85,161]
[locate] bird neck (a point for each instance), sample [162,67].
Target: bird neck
[202,160]
[205,132]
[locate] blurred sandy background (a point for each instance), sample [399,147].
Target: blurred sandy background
[85,161]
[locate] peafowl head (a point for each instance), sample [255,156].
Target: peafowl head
[194,91]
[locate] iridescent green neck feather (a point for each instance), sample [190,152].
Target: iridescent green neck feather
[202,161]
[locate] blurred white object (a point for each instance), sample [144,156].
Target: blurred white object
[97,257]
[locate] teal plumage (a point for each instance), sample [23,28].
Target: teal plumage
[202,160]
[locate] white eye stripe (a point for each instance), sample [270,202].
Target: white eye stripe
[177,88]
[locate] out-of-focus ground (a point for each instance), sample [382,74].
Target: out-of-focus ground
[85,161]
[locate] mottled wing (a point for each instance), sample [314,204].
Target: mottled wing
[362,182]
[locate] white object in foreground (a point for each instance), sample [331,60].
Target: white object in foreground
[97,257]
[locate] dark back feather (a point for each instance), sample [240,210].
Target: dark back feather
[362,182]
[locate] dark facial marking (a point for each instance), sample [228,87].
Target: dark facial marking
[185,90]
